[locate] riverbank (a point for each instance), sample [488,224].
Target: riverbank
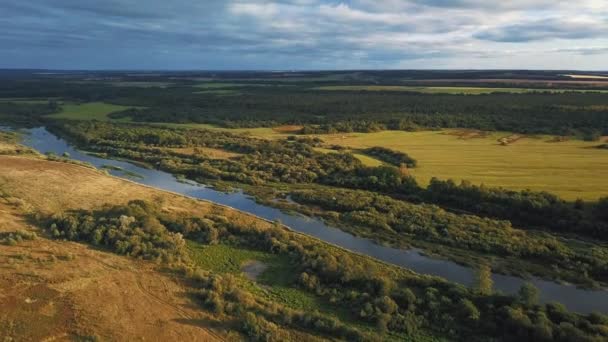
[576,299]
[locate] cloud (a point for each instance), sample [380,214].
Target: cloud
[296,34]
[544,30]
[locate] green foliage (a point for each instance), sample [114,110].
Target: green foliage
[131,230]
[484,283]
[374,111]
[389,219]
[24,114]
[14,238]
[286,161]
[528,294]
[393,157]
[524,208]
[601,209]
[394,302]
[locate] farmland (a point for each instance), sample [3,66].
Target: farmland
[572,169]
[450,90]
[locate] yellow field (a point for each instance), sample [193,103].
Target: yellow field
[572,169]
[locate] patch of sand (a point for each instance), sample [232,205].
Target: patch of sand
[253,269]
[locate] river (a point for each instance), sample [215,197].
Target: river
[576,299]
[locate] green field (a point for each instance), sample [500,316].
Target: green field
[448,90]
[89,111]
[277,280]
[572,169]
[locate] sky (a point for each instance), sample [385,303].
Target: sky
[304,34]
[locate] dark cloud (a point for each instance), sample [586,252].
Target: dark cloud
[543,30]
[283,34]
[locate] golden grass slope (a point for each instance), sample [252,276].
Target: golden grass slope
[64,291]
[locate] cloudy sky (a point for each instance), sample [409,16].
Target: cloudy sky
[304,34]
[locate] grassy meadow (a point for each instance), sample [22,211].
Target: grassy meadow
[277,280]
[88,111]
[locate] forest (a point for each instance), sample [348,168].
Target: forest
[298,103]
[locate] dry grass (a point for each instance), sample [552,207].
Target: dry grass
[288,129]
[56,290]
[52,187]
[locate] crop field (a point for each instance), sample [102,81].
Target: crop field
[572,169]
[89,111]
[448,90]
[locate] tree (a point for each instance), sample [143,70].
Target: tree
[484,283]
[601,209]
[528,294]
[469,310]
